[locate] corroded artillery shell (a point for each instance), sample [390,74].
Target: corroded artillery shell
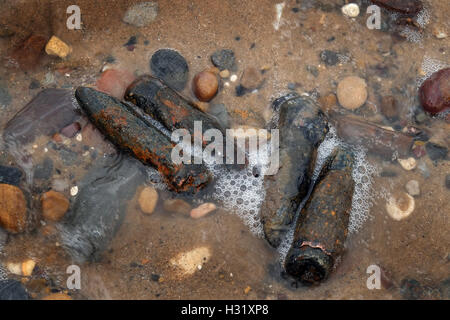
[322,226]
[302,128]
[168,106]
[145,142]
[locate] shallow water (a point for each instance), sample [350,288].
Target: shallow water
[286,45]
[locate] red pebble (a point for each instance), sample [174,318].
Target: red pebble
[434,93]
[71,130]
[115,82]
[28,54]
[419,151]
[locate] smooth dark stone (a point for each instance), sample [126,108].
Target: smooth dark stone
[220,111]
[34,84]
[155,277]
[329,57]
[434,93]
[10,175]
[436,152]
[223,59]
[44,170]
[48,112]
[131,42]
[241,90]
[171,67]
[12,290]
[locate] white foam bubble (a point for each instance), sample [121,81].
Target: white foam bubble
[430,66]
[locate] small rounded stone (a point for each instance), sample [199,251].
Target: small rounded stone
[54,205]
[205,85]
[412,187]
[352,92]
[148,198]
[13,209]
[350,10]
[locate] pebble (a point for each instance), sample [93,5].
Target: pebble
[219,110]
[177,206]
[439,33]
[389,107]
[74,191]
[434,93]
[56,47]
[57,296]
[24,268]
[205,85]
[408,164]
[71,130]
[54,205]
[13,208]
[329,57]
[327,102]
[251,78]
[400,206]
[10,175]
[350,10]
[5,97]
[28,54]
[148,198]
[44,170]
[191,261]
[352,92]
[12,290]
[223,59]
[141,14]
[224,74]
[115,82]
[435,151]
[203,210]
[171,67]
[60,185]
[447,181]
[412,187]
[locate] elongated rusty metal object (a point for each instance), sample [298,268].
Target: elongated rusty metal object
[322,226]
[145,142]
[302,128]
[168,106]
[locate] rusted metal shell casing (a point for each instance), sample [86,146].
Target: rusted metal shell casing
[302,128]
[322,226]
[168,106]
[144,141]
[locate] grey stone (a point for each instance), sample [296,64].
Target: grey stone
[171,67]
[412,187]
[141,14]
[223,59]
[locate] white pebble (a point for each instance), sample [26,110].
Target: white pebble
[233,78]
[408,164]
[400,206]
[74,191]
[79,137]
[412,187]
[350,10]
